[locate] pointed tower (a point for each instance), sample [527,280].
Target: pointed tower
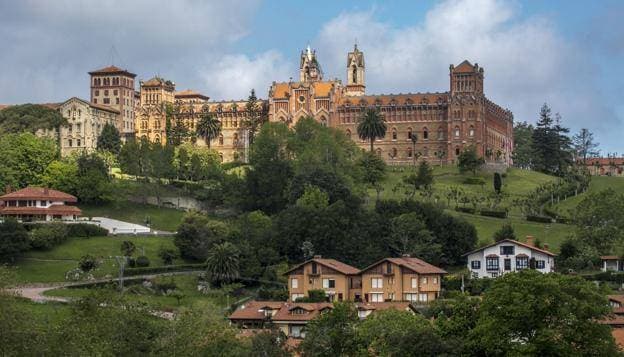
[309,67]
[355,73]
[466,78]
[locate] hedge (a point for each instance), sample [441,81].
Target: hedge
[163,269]
[609,276]
[497,214]
[465,210]
[473,181]
[540,219]
[85,230]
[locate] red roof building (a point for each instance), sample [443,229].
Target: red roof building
[39,204]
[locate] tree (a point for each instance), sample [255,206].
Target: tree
[584,145]
[505,232]
[543,314]
[498,183]
[176,130]
[469,161]
[127,248]
[29,118]
[93,183]
[13,239]
[523,145]
[409,236]
[371,126]
[314,295]
[393,332]
[109,139]
[183,164]
[24,158]
[271,343]
[255,115]
[88,263]
[61,175]
[373,171]
[129,158]
[599,219]
[551,146]
[332,333]
[208,127]
[422,178]
[168,255]
[314,198]
[197,234]
[222,263]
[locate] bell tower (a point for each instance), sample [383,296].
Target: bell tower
[309,67]
[355,72]
[466,78]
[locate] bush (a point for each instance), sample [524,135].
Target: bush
[142,261]
[46,236]
[85,230]
[163,286]
[167,255]
[88,263]
[131,262]
[540,219]
[497,214]
[473,181]
[465,210]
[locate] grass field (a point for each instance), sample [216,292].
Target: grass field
[51,266]
[597,184]
[166,219]
[553,234]
[186,285]
[517,183]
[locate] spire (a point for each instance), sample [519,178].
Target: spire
[309,52]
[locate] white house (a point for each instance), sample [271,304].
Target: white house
[509,256]
[612,263]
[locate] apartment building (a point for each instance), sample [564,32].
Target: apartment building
[340,281]
[401,279]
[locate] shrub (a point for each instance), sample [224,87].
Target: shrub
[465,210]
[127,248]
[85,230]
[131,262]
[46,236]
[142,261]
[540,219]
[88,263]
[497,214]
[473,181]
[167,255]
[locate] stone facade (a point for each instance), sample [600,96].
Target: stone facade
[114,87]
[444,123]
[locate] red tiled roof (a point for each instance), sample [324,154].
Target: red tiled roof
[515,242]
[38,193]
[616,298]
[191,94]
[415,264]
[250,310]
[112,70]
[610,257]
[330,263]
[312,309]
[618,336]
[54,209]
[604,161]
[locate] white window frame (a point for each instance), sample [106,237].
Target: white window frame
[411,297]
[423,280]
[414,283]
[294,283]
[377,297]
[377,283]
[423,297]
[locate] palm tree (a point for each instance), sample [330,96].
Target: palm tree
[222,264]
[208,128]
[371,126]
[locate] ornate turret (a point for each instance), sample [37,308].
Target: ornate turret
[309,68]
[355,72]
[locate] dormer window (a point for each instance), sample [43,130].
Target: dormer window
[507,250]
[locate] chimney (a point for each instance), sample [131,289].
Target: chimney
[317,257]
[406,255]
[546,247]
[46,191]
[530,241]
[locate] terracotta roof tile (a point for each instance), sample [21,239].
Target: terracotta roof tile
[605,161]
[516,242]
[39,193]
[322,89]
[251,310]
[616,298]
[618,336]
[281,91]
[190,93]
[112,70]
[330,263]
[312,310]
[415,264]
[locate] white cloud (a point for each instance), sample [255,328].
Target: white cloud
[527,62]
[233,76]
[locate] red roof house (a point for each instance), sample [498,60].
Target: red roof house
[39,204]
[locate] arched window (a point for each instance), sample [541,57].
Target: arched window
[221,156]
[425,134]
[220,139]
[323,121]
[394,134]
[354,74]
[394,152]
[409,133]
[157,139]
[457,151]
[472,131]
[348,133]
[457,131]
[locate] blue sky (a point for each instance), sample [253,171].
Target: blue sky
[566,53]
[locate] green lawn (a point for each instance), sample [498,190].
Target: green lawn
[516,184]
[51,266]
[553,234]
[166,219]
[597,184]
[185,284]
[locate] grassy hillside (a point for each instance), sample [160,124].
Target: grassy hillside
[51,266]
[166,219]
[597,184]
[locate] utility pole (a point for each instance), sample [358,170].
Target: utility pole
[121,261]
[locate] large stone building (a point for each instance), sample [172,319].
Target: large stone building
[114,87]
[444,123]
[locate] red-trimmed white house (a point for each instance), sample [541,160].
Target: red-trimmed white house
[39,204]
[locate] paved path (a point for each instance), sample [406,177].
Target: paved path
[115,226]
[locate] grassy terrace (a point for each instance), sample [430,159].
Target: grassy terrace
[166,219]
[51,266]
[597,184]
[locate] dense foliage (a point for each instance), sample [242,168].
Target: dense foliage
[24,158]
[29,118]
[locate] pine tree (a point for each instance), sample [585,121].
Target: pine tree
[109,139]
[255,115]
[584,145]
[523,145]
[543,144]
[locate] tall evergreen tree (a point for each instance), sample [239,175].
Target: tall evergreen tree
[371,126]
[584,145]
[255,115]
[543,144]
[564,150]
[109,139]
[523,145]
[177,131]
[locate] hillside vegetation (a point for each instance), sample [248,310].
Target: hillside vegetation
[597,184]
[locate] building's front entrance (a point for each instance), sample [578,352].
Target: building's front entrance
[507,264]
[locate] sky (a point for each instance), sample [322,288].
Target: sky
[567,53]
